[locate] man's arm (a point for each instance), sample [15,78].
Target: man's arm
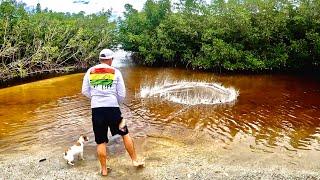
[86,85]
[121,89]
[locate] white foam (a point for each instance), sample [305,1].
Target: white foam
[190,93]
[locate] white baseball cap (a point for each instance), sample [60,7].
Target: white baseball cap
[106,54]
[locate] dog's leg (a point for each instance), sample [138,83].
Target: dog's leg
[70,160]
[81,156]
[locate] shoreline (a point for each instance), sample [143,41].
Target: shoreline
[47,75]
[15,81]
[166,158]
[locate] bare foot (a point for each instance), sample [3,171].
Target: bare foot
[105,172]
[138,163]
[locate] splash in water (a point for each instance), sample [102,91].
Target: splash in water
[190,93]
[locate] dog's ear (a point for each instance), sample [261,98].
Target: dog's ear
[85,138]
[66,150]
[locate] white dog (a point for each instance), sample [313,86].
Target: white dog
[74,150]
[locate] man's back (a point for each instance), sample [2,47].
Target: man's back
[104,85]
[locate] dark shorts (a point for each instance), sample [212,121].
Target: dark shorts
[104,117]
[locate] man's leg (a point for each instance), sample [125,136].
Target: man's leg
[100,129]
[102,155]
[128,143]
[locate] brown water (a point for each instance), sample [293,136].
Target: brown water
[271,111]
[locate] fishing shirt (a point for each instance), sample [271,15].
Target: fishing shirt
[104,85]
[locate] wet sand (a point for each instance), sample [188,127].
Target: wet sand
[166,158]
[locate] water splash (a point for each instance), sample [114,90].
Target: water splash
[190,93]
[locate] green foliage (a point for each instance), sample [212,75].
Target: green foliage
[42,41]
[246,35]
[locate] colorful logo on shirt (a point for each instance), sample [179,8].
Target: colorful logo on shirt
[101,77]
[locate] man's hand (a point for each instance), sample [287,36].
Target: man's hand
[122,124]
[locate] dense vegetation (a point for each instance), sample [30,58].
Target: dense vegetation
[39,41]
[233,35]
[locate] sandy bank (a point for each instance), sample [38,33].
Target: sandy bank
[166,158]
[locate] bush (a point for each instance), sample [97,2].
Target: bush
[234,35]
[42,41]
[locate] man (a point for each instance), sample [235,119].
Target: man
[104,85]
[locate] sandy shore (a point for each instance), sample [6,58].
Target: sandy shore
[166,158]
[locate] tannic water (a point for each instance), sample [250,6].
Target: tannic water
[269,112]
